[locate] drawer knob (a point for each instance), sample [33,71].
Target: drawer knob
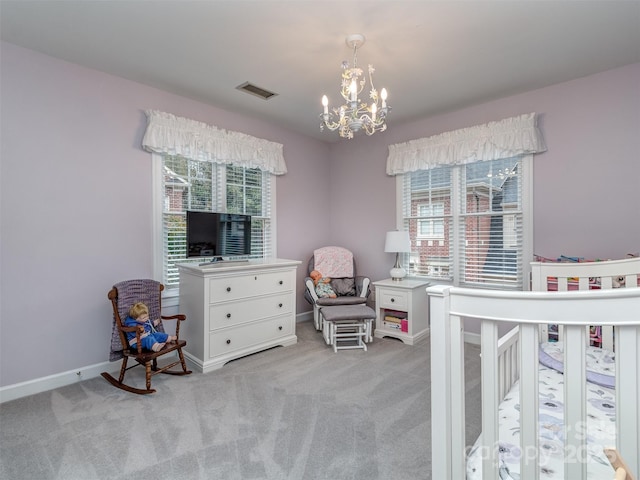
[228,315]
[280,282]
[228,289]
[228,342]
[280,327]
[393,300]
[280,305]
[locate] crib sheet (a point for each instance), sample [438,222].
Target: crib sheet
[600,428]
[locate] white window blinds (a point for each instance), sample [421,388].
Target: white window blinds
[210,187]
[467,222]
[427,211]
[466,202]
[490,224]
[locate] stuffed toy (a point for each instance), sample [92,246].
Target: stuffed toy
[618,282]
[322,284]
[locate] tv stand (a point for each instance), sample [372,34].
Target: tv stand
[235,308]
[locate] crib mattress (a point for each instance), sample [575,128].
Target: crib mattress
[600,428]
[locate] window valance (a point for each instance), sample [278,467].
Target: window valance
[503,139]
[170,135]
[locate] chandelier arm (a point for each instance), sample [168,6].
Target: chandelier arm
[374,92]
[331,125]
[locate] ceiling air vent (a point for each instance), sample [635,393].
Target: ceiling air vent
[257,91]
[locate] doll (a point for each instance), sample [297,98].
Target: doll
[150,339]
[322,284]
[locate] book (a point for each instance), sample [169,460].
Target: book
[392,325]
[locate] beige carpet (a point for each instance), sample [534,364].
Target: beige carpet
[300,412]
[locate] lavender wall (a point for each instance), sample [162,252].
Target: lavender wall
[75,210]
[586,186]
[76,204]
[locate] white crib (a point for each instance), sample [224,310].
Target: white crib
[515,356]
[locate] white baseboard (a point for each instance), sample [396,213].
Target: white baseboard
[473,338]
[31,387]
[304,317]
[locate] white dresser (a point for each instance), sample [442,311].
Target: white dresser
[234,309]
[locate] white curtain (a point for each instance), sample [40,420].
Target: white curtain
[503,139]
[170,135]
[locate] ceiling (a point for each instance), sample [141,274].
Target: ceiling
[432,56]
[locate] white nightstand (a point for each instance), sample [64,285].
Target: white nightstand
[402,309]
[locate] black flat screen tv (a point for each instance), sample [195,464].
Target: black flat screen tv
[212,234]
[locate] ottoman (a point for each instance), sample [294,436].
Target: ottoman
[348,326]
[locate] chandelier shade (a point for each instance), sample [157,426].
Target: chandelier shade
[355,114]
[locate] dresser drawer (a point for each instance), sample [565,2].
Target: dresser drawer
[243,286]
[390,298]
[247,335]
[232,313]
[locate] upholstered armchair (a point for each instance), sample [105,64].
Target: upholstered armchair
[338,264]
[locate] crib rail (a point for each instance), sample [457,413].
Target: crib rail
[568,276]
[574,310]
[508,361]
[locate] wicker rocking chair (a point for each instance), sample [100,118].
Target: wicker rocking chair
[123,295]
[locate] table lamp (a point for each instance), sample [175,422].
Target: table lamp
[398,242]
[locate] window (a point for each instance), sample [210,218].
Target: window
[427,217]
[430,227]
[470,224]
[184,184]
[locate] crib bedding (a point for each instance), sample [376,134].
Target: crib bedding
[600,362]
[600,429]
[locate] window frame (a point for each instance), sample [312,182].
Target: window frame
[527,225]
[158,198]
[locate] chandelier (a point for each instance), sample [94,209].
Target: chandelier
[503,173]
[356,115]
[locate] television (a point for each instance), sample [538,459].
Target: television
[213,234]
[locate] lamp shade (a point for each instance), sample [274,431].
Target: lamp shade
[397,241]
